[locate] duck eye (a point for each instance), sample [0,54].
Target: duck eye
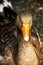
[18,22]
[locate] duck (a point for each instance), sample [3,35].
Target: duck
[28,53]
[28,47]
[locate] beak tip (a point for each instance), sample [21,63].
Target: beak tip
[26,38]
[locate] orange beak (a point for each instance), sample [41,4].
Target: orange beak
[26,31]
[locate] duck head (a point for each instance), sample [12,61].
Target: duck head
[24,23]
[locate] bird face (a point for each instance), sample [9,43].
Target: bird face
[25,19]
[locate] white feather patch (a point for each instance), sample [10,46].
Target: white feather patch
[5,3]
